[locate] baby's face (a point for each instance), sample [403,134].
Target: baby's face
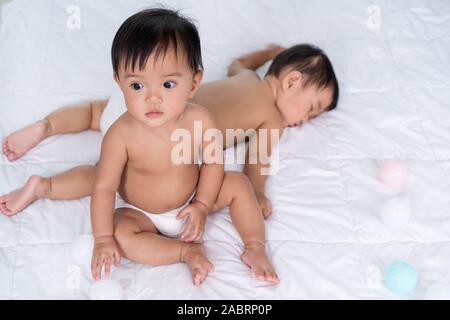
[301,104]
[159,93]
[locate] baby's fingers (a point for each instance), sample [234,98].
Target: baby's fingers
[197,231]
[183,213]
[193,234]
[199,237]
[107,267]
[188,231]
[269,206]
[98,268]
[93,266]
[116,258]
[264,211]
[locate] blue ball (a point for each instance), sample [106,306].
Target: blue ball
[401,278]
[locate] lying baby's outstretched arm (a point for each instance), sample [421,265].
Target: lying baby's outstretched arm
[210,180]
[257,163]
[113,158]
[254,60]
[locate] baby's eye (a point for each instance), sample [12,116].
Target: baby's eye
[137,86]
[169,84]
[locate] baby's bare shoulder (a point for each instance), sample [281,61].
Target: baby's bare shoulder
[120,129]
[248,77]
[196,112]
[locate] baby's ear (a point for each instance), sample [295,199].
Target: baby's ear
[292,80]
[198,76]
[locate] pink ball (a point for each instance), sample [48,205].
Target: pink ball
[394,174]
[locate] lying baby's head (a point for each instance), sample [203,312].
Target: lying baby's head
[307,85]
[157,63]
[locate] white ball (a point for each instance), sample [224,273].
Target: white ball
[394,174]
[106,289]
[82,248]
[395,212]
[438,292]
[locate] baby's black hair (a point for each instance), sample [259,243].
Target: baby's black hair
[155,31]
[311,62]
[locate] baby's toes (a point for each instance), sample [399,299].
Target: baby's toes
[5,210]
[199,276]
[209,267]
[11,156]
[266,276]
[5,148]
[259,272]
[272,277]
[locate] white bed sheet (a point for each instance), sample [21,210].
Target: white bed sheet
[325,230]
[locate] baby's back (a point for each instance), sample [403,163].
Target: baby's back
[238,102]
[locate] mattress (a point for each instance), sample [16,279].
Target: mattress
[325,237]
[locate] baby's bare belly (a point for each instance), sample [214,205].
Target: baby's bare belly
[159,192]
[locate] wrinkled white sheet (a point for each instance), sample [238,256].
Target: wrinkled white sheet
[325,231]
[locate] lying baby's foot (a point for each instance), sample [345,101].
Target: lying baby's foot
[255,257]
[20,142]
[19,199]
[195,257]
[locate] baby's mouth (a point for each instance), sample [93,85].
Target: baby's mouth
[154,114]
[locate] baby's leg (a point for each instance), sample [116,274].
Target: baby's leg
[237,193]
[73,184]
[71,119]
[139,241]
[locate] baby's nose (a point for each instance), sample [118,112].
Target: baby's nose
[154,98]
[157,100]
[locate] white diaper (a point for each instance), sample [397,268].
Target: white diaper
[166,223]
[113,110]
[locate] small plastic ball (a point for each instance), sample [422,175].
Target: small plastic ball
[394,174]
[401,278]
[106,289]
[395,212]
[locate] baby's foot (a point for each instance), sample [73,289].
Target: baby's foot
[20,142]
[195,257]
[255,257]
[19,199]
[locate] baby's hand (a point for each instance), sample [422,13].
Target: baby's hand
[274,50]
[195,226]
[265,204]
[105,252]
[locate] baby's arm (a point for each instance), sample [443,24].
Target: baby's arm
[212,169]
[253,60]
[210,180]
[257,164]
[112,161]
